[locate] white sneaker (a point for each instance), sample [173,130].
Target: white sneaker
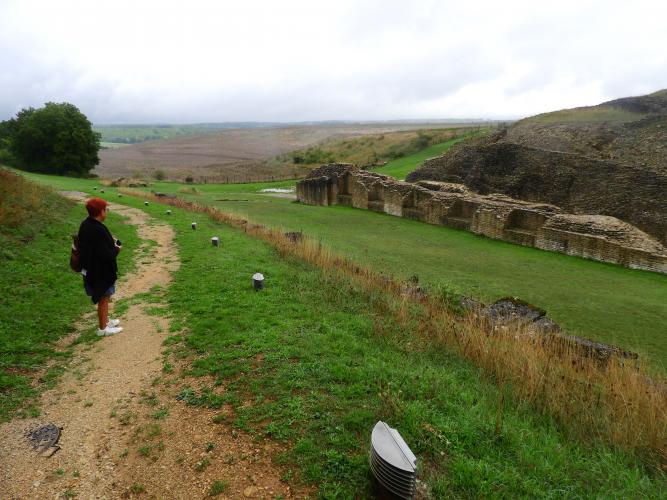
[109,330]
[113,323]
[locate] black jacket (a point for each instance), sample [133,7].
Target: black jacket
[97,254]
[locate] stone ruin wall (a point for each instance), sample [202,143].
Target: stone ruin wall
[499,217]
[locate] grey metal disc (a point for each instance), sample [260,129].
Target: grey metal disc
[391,448]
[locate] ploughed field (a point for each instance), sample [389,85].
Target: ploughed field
[595,300]
[237,155]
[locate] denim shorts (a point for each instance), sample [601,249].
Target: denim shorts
[108,293]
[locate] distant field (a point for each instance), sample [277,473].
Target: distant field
[238,155]
[106,145]
[133,134]
[592,299]
[374,150]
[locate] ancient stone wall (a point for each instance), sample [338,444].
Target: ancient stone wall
[500,217]
[580,185]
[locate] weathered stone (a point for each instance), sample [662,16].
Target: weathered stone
[496,216]
[579,184]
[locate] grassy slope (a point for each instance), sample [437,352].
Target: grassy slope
[401,167]
[313,361]
[40,297]
[591,299]
[373,149]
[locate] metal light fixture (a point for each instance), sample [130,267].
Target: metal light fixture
[392,463]
[258,281]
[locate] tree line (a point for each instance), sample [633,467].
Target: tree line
[55,139]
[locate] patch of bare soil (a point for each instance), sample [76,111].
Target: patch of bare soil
[123,433]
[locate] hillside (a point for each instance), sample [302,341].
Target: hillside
[371,150]
[630,130]
[609,159]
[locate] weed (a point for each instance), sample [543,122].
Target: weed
[123,453]
[217,488]
[287,476]
[209,446]
[153,431]
[161,414]
[137,488]
[144,450]
[202,465]
[128,417]
[150,399]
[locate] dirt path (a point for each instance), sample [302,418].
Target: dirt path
[124,433]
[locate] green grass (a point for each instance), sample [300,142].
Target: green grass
[599,301]
[313,362]
[41,298]
[401,167]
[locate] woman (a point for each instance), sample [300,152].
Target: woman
[97,254]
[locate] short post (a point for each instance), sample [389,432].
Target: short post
[194,225]
[215,241]
[145,203]
[168,212]
[258,281]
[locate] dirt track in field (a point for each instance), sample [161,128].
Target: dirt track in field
[124,433]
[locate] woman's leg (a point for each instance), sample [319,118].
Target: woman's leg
[103,311]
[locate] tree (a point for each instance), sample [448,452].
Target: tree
[55,139]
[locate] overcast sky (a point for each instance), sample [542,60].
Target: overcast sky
[290,60]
